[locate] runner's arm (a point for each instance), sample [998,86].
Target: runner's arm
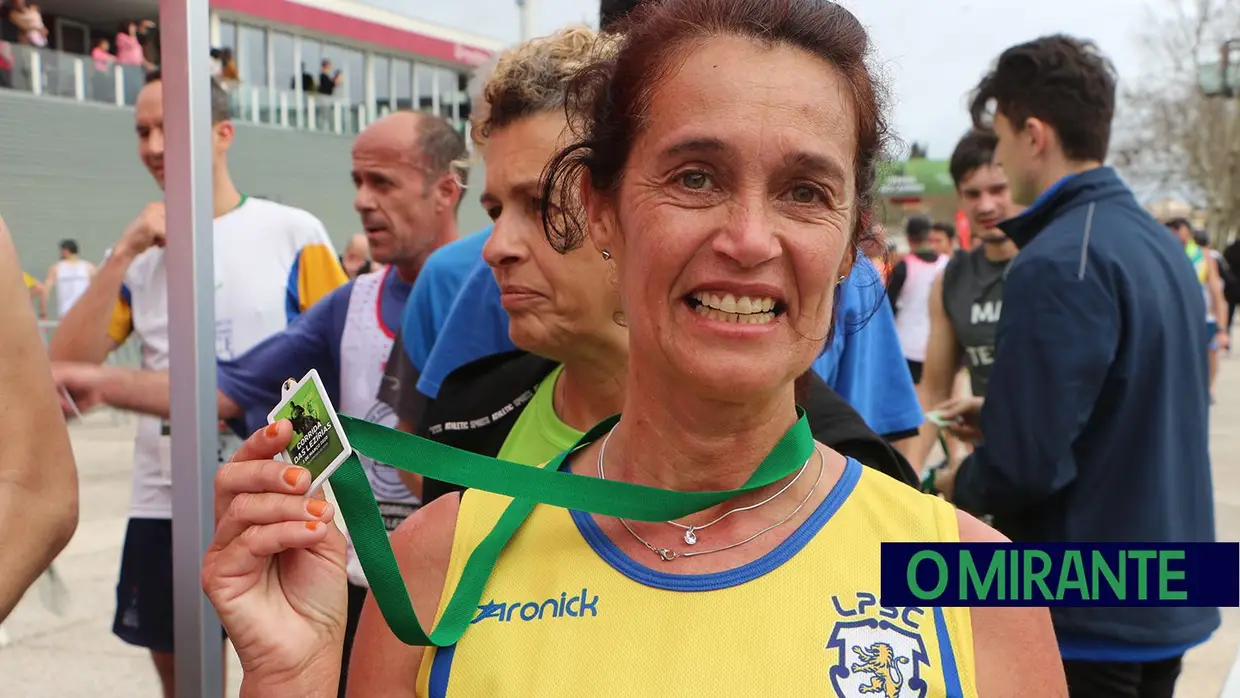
[895,284]
[248,385]
[38,478]
[254,381]
[381,665]
[144,392]
[1217,302]
[938,375]
[45,288]
[1014,649]
[37,293]
[100,320]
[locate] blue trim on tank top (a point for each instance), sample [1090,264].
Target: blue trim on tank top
[947,656]
[441,671]
[712,581]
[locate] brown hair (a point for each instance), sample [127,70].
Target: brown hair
[221,106]
[1066,82]
[613,95]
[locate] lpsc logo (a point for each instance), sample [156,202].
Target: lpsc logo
[575,607]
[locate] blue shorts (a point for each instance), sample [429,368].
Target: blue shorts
[144,607]
[1211,332]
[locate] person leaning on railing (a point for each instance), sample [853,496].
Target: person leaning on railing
[38,477]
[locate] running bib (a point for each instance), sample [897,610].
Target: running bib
[527,486]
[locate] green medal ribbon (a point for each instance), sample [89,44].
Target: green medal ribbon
[528,486]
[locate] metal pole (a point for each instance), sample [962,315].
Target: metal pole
[185,25]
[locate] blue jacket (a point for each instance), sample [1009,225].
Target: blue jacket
[1096,420]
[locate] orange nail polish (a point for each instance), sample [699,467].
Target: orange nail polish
[292,475]
[316,507]
[312,525]
[273,429]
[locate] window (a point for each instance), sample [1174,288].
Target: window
[424,76]
[311,55]
[252,56]
[465,107]
[284,71]
[383,83]
[355,75]
[402,71]
[228,35]
[449,94]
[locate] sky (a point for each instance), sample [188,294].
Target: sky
[932,51]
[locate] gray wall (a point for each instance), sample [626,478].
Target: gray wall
[71,170]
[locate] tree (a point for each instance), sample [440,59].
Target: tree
[1170,135]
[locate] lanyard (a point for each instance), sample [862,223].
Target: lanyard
[528,486]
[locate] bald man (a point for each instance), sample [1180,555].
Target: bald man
[356,257]
[408,172]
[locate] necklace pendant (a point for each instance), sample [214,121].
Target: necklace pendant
[690,536]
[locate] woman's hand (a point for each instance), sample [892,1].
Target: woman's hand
[276,572]
[964,414]
[81,383]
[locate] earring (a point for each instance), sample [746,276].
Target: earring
[606,254]
[841,280]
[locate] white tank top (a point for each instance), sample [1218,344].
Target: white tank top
[365,345]
[913,304]
[72,278]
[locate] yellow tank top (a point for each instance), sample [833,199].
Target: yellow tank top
[566,613]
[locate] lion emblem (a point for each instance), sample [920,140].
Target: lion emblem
[881,663]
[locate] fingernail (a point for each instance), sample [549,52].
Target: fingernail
[316,507]
[273,429]
[312,525]
[293,475]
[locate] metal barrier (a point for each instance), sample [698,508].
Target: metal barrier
[48,72]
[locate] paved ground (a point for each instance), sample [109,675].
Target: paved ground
[76,654]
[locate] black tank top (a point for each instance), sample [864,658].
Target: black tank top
[973,299]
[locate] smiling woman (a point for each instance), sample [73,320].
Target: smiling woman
[722,154]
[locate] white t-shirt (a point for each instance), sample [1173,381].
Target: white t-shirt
[271,263]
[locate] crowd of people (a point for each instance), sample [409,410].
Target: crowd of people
[682,235]
[133,49]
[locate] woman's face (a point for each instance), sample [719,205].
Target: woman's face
[733,218]
[553,300]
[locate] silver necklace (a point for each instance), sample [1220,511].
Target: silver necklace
[692,531]
[667,554]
